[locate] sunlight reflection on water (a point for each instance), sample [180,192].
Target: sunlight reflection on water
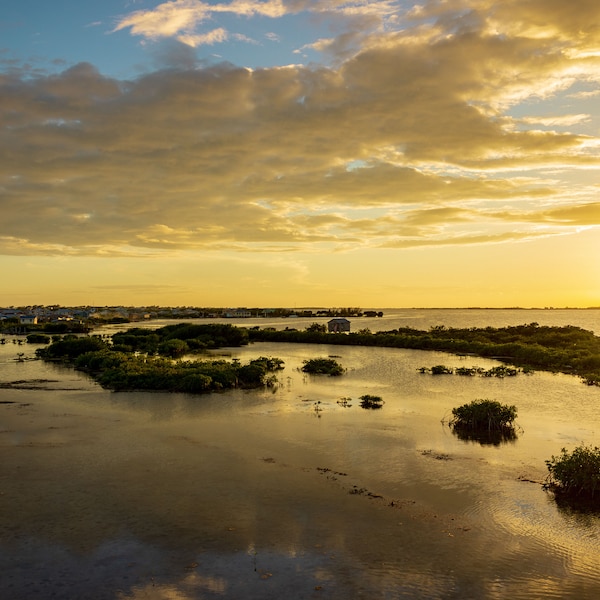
[253,494]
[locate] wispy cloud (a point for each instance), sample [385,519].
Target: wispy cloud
[182,19]
[210,38]
[557,121]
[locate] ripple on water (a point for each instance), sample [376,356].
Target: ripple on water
[568,538]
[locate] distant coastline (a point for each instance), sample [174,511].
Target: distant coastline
[59,320]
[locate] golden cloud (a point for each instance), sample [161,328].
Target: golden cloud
[408,140]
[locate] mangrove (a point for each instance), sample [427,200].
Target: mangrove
[322,366]
[485,421]
[576,475]
[141,359]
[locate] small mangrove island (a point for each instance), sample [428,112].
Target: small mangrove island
[323,366]
[484,421]
[142,359]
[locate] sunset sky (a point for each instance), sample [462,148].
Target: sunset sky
[300,153]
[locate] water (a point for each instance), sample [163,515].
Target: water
[255,494]
[417,319]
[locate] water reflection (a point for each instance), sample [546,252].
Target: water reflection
[489,437]
[584,511]
[248,495]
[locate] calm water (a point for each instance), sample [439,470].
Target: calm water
[257,495]
[420,319]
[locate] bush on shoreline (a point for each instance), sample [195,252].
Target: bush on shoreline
[576,474]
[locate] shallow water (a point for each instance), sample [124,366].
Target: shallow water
[255,494]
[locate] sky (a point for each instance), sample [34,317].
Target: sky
[300,153]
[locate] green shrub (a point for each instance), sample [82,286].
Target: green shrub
[441,370]
[70,347]
[100,360]
[325,366]
[577,473]
[369,401]
[484,414]
[254,374]
[195,383]
[466,371]
[173,348]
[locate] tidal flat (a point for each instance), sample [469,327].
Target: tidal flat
[290,492]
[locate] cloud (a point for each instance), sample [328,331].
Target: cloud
[181,19]
[466,240]
[167,19]
[171,54]
[586,94]
[557,121]
[579,215]
[407,140]
[216,36]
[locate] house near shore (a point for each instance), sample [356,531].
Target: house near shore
[338,325]
[28,319]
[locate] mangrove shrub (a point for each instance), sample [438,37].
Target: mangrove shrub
[369,401]
[483,415]
[70,347]
[325,366]
[576,473]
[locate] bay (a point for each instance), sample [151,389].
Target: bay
[292,492]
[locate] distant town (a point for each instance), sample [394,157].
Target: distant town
[82,318]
